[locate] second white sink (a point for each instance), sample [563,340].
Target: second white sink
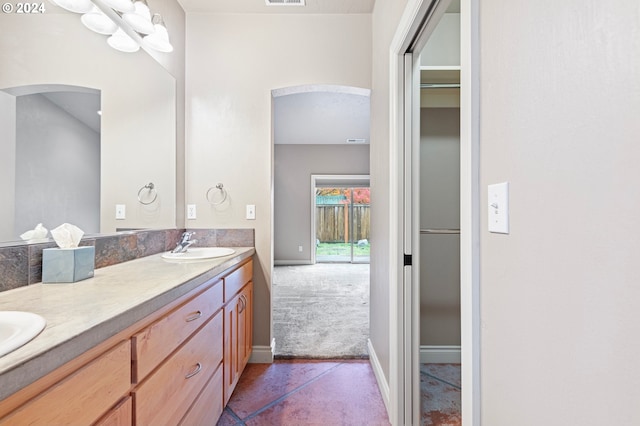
[18,328]
[199,253]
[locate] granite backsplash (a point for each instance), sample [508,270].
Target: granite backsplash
[21,264]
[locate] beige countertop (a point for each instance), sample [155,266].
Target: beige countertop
[81,315]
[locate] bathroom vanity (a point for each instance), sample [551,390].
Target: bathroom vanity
[143,342]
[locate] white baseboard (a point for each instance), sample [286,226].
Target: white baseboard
[377,371]
[262,354]
[291,262]
[440,354]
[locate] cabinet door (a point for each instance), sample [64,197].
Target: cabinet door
[245,326]
[231,333]
[84,396]
[238,335]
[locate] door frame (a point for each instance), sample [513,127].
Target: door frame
[338,180]
[404,401]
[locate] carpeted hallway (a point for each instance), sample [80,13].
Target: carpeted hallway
[321,310]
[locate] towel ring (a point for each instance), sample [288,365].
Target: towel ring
[151,187]
[222,191]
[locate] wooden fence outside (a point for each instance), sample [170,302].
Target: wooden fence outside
[332,228]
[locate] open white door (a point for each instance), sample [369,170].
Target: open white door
[418,22]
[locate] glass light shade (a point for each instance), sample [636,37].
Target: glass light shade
[120,5]
[159,40]
[98,22]
[140,19]
[75,6]
[122,42]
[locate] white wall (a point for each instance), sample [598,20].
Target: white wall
[386,16]
[233,63]
[560,101]
[294,165]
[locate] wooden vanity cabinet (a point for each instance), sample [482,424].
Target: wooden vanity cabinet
[178,366]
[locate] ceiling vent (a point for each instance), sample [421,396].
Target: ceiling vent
[284,2]
[356,140]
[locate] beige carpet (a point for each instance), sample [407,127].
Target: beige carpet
[321,310]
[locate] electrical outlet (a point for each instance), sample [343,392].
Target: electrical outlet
[300,249]
[191,211]
[120,211]
[251,211]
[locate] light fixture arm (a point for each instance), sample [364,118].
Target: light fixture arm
[115,17]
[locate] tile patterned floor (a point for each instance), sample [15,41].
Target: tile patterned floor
[306,393]
[440,386]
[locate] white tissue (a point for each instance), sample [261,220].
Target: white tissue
[67,235]
[37,233]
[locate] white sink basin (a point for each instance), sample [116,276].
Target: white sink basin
[199,253]
[18,328]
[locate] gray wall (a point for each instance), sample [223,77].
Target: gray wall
[294,165]
[57,168]
[440,208]
[7,163]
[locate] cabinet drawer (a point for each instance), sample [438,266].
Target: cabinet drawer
[237,279]
[208,407]
[119,416]
[153,344]
[84,396]
[165,396]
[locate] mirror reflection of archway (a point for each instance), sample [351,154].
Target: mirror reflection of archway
[51,158]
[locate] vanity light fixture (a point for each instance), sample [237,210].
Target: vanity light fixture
[140,18]
[120,5]
[122,42]
[128,23]
[98,22]
[159,39]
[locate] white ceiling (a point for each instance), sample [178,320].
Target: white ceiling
[312,6]
[259,6]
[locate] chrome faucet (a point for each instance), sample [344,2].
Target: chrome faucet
[184,243]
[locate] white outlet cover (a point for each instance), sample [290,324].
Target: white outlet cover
[498,207]
[191,211]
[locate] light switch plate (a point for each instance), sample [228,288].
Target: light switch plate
[251,211]
[498,208]
[120,212]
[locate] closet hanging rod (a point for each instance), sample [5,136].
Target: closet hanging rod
[439,85]
[439,231]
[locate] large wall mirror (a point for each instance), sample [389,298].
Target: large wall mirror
[51,61]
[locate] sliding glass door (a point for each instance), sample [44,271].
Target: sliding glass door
[342,224]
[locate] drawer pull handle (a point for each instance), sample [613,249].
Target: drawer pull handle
[195,316]
[242,305]
[194,372]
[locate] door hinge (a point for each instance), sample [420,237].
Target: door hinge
[407,260]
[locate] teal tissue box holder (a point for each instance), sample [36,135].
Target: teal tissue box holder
[67,265]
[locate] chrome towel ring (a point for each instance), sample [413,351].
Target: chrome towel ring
[223,194]
[151,187]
